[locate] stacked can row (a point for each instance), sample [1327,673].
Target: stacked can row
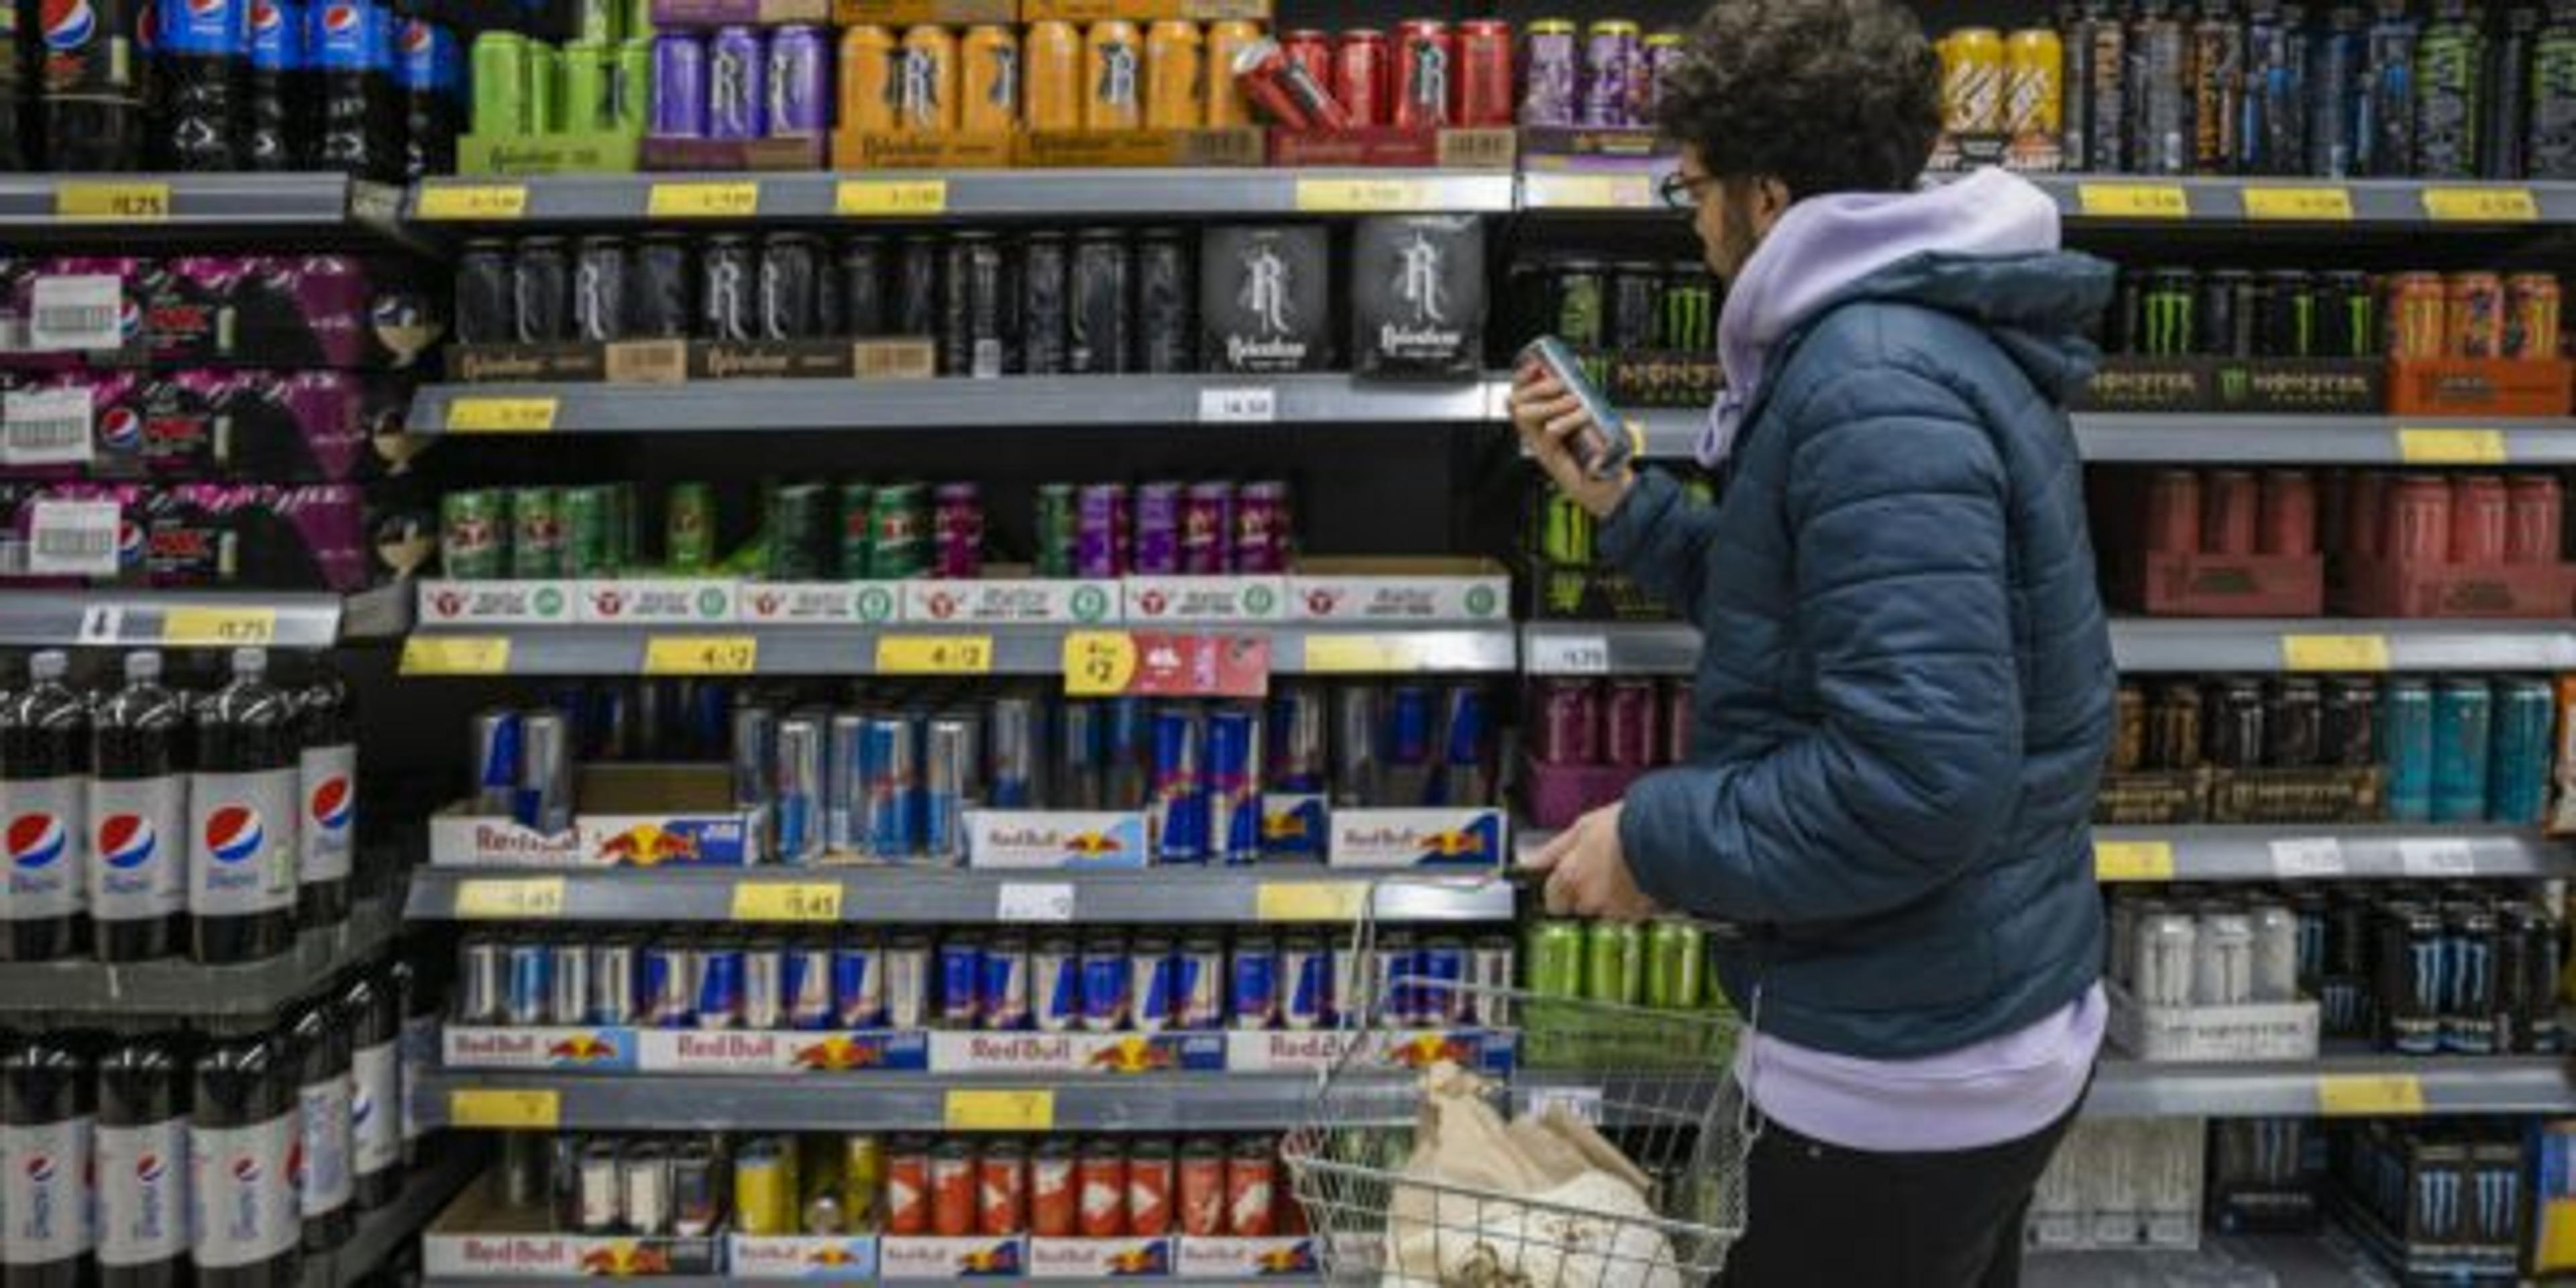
[2343,313]
[1664,965]
[1619,306]
[1622,724]
[2464,521]
[587,85]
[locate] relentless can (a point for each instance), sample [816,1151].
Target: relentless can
[974,299]
[1614,963]
[1167,322]
[1100,296]
[1226,41]
[680,86]
[1421,90]
[925,89]
[1551,73]
[792,297]
[1481,83]
[1043,306]
[737,85]
[869,84]
[1051,54]
[1611,51]
[1363,67]
[1113,58]
[728,289]
[989,72]
[1173,98]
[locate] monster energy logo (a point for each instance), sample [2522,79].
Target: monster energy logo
[2167,322]
[2361,326]
[1690,317]
[2303,325]
[2234,383]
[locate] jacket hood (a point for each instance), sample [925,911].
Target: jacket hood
[1985,248]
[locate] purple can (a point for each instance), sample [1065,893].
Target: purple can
[679,86]
[1207,523]
[1628,724]
[1678,722]
[800,81]
[1158,530]
[1261,528]
[1551,57]
[957,548]
[1664,52]
[737,85]
[1100,530]
[1611,56]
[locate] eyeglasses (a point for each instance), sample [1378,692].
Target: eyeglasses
[1681,191]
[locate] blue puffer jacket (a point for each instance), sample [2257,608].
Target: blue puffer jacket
[1905,690]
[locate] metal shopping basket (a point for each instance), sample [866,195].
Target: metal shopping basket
[1654,1082]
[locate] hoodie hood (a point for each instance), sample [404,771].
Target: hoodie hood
[1984,247]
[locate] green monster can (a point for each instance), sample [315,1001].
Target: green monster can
[1575,303]
[590,538]
[589,100]
[1565,532]
[536,533]
[689,528]
[800,531]
[1676,966]
[473,534]
[1058,521]
[858,529]
[1690,311]
[632,85]
[500,84]
[1614,962]
[899,527]
[544,92]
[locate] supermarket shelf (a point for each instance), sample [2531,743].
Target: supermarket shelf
[2137,644]
[998,194]
[952,896]
[2448,1085]
[199,619]
[178,987]
[2293,852]
[765,406]
[53,203]
[2203,438]
[819,650]
[387,1230]
[2275,1261]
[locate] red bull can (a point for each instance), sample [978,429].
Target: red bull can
[1179,804]
[716,977]
[527,996]
[482,972]
[1012,728]
[841,791]
[1296,755]
[1252,982]
[1391,976]
[1055,984]
[1439,968]
[1199,984]
[948,776]
[1107,987]
[1305,983]
[1153,984]
[961,981]
[664,983]
[1005,989]
[1234,783]
[805,986]
[906,964]
[1349,983]
[568,983]
[496,761]
[858,986]
[612,983]
[764,986]
[889,790]
[798,806]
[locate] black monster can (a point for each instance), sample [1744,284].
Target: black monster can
[1101,304]
[972,341]
[1043,320]
[1167,295]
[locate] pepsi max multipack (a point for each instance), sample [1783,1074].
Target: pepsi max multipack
[282,311]
[203,423]
[142,822]
[243,536]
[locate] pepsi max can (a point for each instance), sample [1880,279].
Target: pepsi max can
[906,963]
[737,85]
[679,86]
[1252,982]
[800,81]
[961,981]
[1305,983]
[527,990]
[1199,983]
[1005,989]
[1055,984]
[716,987]
[1152,983]
[664,980]
[858,987]
[1106,985]
[764,988]
[805,986]
[1179,804]
[1234,784]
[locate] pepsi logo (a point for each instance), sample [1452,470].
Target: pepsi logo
[36,840]
[266,19]
[68,25]
[416,38]
[41,1169]
[212,9]
[120,428]
[150,1168]
[246,1170]
[129,319]
[333,802]
[129,542]
[340,20]
[127,841]
[361,1108]
[235,833]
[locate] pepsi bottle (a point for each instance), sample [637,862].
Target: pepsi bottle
[278,113]
[138,816]
[370,1012]
[430,71]
[44,763]
[202,59]
[242,813]
[90,90]
[242,1135]
[46,1107]
[13,91]
[351,47]
[320,1048]
[142,1150]
[416,1001]
[327,782]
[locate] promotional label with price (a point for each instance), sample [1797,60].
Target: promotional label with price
[218,627]
[86,199]
[787,901]
[456,655]
[2133,201]
[1239,405]
[512,899]
[2481,205]
[701,655]
[891,198]
[1569,655]
[2133,861]
[2324,204]
[2451,446]
[934,655]
[469,202]
[492,1109]
[1156,665]
[2369,1095]
[1015,1111]
[703,201]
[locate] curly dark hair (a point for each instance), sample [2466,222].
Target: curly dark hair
[1823,95]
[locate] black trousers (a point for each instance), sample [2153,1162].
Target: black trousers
[1820,1214]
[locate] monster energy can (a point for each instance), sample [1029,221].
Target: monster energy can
[1058,523]
[2097,64]
[1690,310]
[2165,316]
[2347,315]
[1676,966]
[1576,305]
[2501,140]
[1636,290]
[1554,957]
[689,528]
[2226,322]
[2551,148]
[2334,103]
[2450,68]
[1614,962]
[1565,530]
[2159,102]
[2386,129]
[2285,323]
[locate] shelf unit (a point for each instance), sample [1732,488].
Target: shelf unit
[2296,205]
[2138,645]
[120,205]
[178,987]
[200,619]
[383,1232]
[2199,438]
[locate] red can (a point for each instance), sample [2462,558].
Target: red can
[1360,76]
[954,1179]
[2289,506]
[1680,722]
[907,1186]
[1002,1198]
[2473,315]
[1202,1187]
[1485,74]
[2364,513]
[2481,519]
[2173,513]
[1150,1185]
[1569,723]
[1426,62]
[1055,1191]
[1628,725]
[1101,1177]
[2538,508]
[2230,513]
[1312,50]
[2416,526]
[1252,1189]
[1284,90]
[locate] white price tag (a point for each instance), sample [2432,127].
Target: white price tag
[73,539]
[1255,405]
[1583,1103]
[102,624]
[2302,857]
[45,427]
[1022,901]
[76,313]
[2438,856]
[1570,655]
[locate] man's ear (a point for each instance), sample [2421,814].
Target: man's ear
[1770,201]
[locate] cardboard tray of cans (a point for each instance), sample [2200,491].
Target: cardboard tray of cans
[626,1049]
[589,152]
[739,13]
[2213,1034]
[2027,153]
[480,1236]
[1293,826]
[2152,798]
[1601,149]
[2319,386]
[1586,593]
[863,1258]
[643,816]
[1556,795]
[2119,1184]
[2424,588]
[2196,585]
[2438,1233]
[671,362]
[905,13]
[777,154]
[1142,10]
[1225,147]
[2481,386]
[2297,795]
[1396,146]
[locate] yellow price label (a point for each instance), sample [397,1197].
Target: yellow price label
[456,655]
[86,199]
[492,1109]
[1359,655]
[787,901]
[2482,205]
[1361,196]
[703,201]
[2133,200]
[1309,900]
[2334,652]
[471,202]
[210,627]
[1592,191]
[1099,663]
[2133,861]
[2451,446]
[2377,1095]
[510,899]
[891,198]
[1032,1110]
[935,655]
[501,416]
[701,655]
[2318,204]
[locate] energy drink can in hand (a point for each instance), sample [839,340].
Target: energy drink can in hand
[1606,445]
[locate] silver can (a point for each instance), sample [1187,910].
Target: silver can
[755,739]
[949,774]
[841,812]
[568,983]
[906,962]
[545,772]
[2161,972]
[645,1181]
[2276,952]
[598,1198]
[2223,960]
[612,982]
[764,985]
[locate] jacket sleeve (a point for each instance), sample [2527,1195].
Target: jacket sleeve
[1895,502]
[1659,536]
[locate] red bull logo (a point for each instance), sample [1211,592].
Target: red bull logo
[1000,1259]
[1093,844]
[127,841]
[36,840]
[1132,1055]
[1453,844]
[584,1048]
[1291,1259]
[68,25]
[839,1053]
[1147,1259]
[1425,1050]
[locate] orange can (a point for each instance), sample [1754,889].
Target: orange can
[1113,74]
[2531,322]
[956,1189]
[2034,83]
[1175,99]
[1972,81]
[867,79]
[1225,44]
[989,64]
[2473,316]
[1051,71]
[925,99]
[2415,323]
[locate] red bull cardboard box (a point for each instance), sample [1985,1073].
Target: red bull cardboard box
[588,1049]
[811,1258]
[481,1237]
[1057,1054]
[737,1052]
[643,816]
[1292,1257]
[1102,1258]
[997,838]
[1417,838]
[905,1257]
[1392,1050]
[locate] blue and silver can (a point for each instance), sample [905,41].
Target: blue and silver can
[527,992]
[1252,982]
[1126,754]
[1055,984]
[764,985]
[805,986]
[906,964]
[496,761]
[1199,982]
[2463,722]
[1079,777]
[482,975]
[1179,808]
[1234,784]
[1107,986]
[1298,744]
[961,981]
[2519,755]
[1153,983]
[716,978]
[2406,748]
[799,804]
[890,788]
[1005,988]
[842,792]
[568,982]
[1439,971]
[1305,983]
[858,986]
[1012,731]
[612,982]
[545,772]
[666,981]
[752,750]
[948,775]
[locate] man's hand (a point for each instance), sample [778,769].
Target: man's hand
[1550,419]
[1587,874]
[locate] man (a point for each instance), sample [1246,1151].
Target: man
[1905,690]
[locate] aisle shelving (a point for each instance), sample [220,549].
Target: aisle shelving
[122,205]
[2138,646]
[200,618]
[1008,651]
[178,987]
[2204,438]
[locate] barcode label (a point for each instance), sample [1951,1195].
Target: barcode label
[73,539]
[45,427]
[76,313]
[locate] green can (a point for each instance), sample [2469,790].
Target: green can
[1565,530]
[632,85]
[544,91]
[898,531]
[536,533]
[1676,966]
[1614,962]
[1552,955]
[1059,520]
[590,531]
[598,20]
[639,20]
[1576,305]
[500,84]
[857,536]
[589,100]
[474,534]
[1690,312]
[625,525]
[689,528]
[798,526]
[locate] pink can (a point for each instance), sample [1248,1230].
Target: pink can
[958,531]
[1628,725]
[1207,527]
[2365,501]
[1262,527]
[2289,510]
[2537,507]
[1679,722]
[2417,526]
[1568,728]
[2481,520]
